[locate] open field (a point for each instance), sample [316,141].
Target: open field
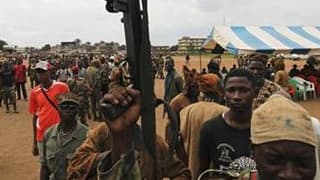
[16,160]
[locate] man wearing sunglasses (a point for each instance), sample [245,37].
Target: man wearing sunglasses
[43,104]
[61,140]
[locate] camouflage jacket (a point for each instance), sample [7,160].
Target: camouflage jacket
[265,92]
[104,73]
[94,78]
[58,151]
[79,87]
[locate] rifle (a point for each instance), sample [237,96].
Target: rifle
[135,20]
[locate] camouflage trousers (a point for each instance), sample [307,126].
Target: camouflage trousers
[9,95]
[95,106]
[126,168]
[83,112]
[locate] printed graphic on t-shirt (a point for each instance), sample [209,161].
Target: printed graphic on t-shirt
[222,144]
[225,152]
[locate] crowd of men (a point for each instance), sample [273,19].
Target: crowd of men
[236,124]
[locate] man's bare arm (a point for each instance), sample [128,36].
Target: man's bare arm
[35,150]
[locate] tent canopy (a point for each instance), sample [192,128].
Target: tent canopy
[265,39]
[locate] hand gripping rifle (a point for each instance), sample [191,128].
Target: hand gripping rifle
[135,20]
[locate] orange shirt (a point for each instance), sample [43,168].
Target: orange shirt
[41,107]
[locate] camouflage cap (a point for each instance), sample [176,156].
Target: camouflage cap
[68,97]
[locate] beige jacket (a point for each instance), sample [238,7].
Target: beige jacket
[192,117]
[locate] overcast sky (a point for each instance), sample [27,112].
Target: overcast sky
[37,22]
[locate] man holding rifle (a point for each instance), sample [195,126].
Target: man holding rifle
[118,148]
[109,153]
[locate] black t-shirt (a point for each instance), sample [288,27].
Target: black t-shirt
[294,72]
[222,143]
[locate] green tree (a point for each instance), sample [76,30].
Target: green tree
[46,47]
[2,43]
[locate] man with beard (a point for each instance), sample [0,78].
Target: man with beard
[264,88]
[227,137]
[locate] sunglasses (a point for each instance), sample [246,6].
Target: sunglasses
[68,106]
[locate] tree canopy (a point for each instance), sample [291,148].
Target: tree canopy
[46,47]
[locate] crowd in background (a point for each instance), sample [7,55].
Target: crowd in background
[220,116]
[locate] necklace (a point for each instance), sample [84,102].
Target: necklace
[64,134]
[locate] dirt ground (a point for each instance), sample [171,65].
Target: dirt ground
[16,160]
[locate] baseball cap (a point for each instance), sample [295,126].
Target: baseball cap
[44,65]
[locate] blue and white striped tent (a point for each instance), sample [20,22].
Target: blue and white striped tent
[265,39]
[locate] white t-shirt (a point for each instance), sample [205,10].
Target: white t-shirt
[63,75]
